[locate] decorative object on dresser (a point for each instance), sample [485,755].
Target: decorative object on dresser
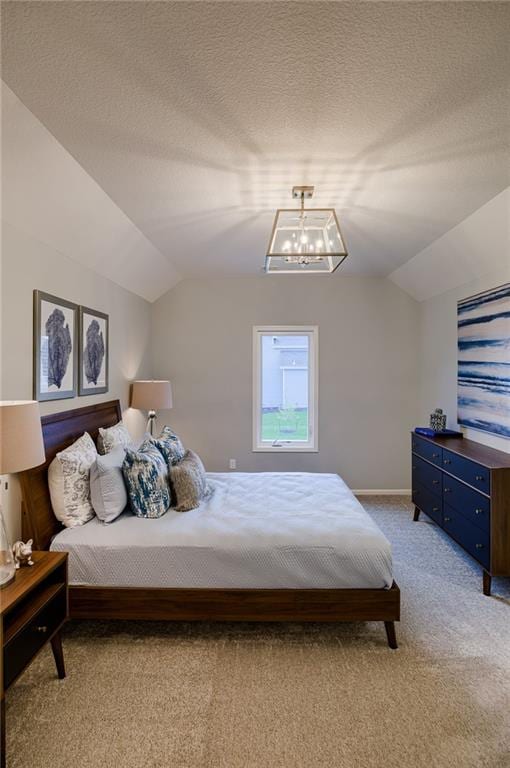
[7,563]
[21,447]
[465,488]
[438,420]
[55,347]
[483,361]
[151,396]
[32,611]
[22,552]
[93,352]
[186,604]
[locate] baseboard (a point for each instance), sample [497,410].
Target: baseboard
[382,492]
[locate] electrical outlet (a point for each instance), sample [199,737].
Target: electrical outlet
[232,464]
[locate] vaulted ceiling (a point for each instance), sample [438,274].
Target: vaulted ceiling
[197,118]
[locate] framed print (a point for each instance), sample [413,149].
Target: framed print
[93,352]
[483,324]
[55,347]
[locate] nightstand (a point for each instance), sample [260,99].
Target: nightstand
[32,611]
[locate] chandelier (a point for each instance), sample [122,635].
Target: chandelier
[305,239]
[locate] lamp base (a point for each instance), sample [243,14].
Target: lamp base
[151,422]
[9,579]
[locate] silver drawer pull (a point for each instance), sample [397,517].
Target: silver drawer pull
[435,509]
[435,455]
[447,519]
[478,511]
[478,477]
[447,490]
[479,546]
[42,629]
[447,461]
[435,482]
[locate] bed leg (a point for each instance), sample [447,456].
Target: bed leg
[487,581]
[416,516]
[390,634]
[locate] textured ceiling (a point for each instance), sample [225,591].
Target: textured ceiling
[197,118]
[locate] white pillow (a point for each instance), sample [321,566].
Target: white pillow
[69,482]
[114,437]
[108,492]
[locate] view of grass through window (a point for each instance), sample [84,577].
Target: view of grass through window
[287,424]
[284,387]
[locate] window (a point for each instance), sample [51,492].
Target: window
[285,388]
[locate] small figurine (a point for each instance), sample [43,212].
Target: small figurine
[22,553]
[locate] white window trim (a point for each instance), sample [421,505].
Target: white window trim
[264,446]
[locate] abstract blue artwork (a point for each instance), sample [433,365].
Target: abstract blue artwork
[93,352]
[55,347]
[59,347]
[484,361]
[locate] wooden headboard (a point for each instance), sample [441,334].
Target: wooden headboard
[59,430]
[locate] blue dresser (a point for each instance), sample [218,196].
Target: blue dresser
[464,487]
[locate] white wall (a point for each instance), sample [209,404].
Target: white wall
[48,196]
[368,361]
[47,218]
[478,246]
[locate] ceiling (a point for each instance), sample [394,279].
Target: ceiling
[197,118]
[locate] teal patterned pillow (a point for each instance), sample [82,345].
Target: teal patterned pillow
[146,476]
[170,446]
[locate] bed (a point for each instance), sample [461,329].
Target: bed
[264,547]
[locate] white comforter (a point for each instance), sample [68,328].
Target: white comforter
[256,531]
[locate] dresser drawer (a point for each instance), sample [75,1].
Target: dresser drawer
[427,450]
[471,504]
[472,473]
[427,475]
[428,503]
[23,642]
[472,538]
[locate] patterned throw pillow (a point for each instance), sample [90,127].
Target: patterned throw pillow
[189,482]
[146,475]
[69,482]
[113,437]
[170,446]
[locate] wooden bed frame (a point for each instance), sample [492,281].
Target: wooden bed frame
[40,524]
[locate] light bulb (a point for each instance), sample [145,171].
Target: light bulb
[319,245]
[286,245]
[303,239]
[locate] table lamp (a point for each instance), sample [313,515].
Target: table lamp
[151,396]
[21,447]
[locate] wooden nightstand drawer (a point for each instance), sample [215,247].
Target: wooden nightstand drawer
[27,631]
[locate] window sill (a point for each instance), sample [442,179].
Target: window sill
[285,449]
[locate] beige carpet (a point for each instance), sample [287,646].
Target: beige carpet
[270,696]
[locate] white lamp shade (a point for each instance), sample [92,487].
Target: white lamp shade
[21,439]
[151,395]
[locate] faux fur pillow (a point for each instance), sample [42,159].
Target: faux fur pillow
[189,482]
